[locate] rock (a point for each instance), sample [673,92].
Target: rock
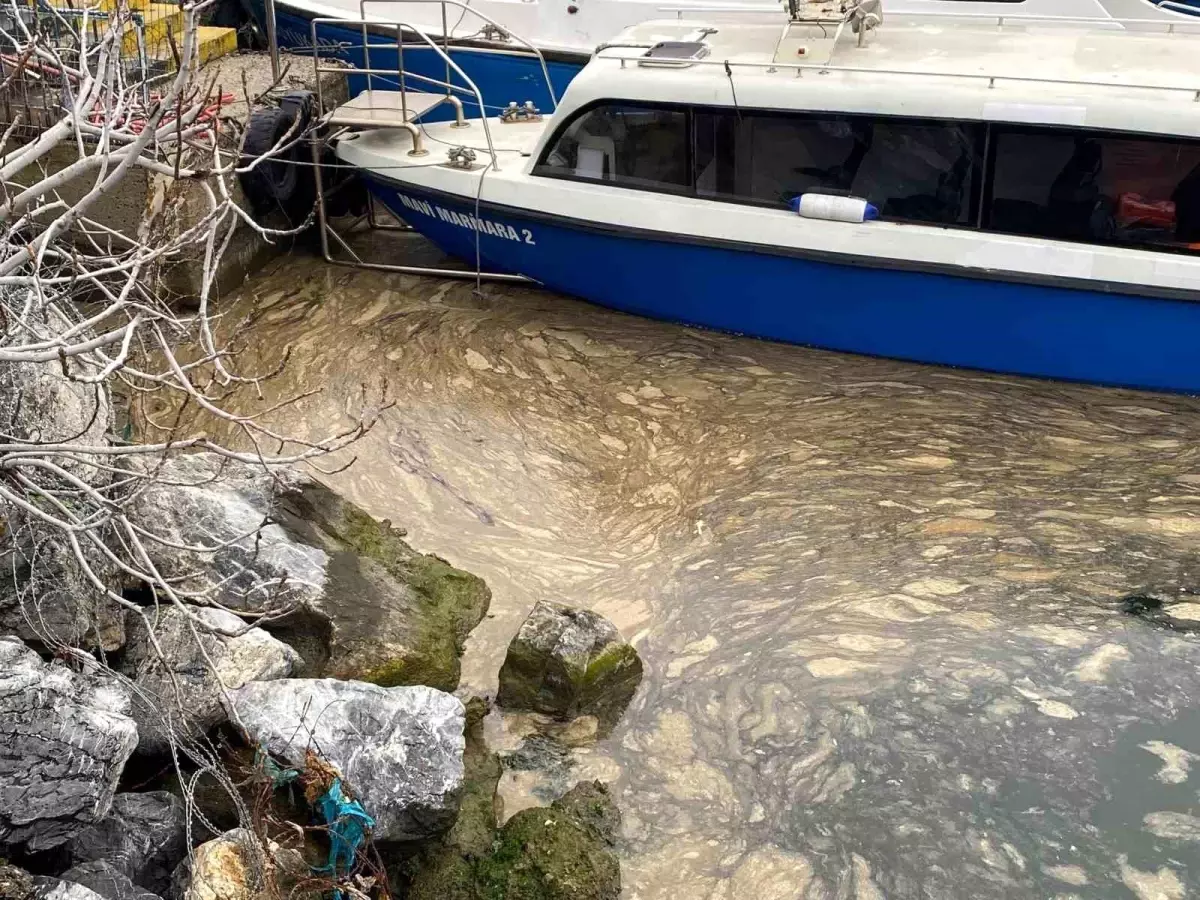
[143,837]
[238,653]
[472,832]
[569,662]
[561,853]
[107,881]
[400,750]
[591,803]
[452,858]
[564,853]
[54,889]
[16,884]
[366,606]
[45,595]
[64,740]
[232,867]
[220,869]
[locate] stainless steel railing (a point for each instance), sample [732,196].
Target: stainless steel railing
[477,14]
[1168,24]
[396,36]
[401,28]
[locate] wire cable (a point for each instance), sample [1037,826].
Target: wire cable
[733,90]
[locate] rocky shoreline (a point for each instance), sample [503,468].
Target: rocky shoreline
[275,716]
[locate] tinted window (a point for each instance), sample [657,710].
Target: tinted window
[917,171]
[1138,191]
[630,145]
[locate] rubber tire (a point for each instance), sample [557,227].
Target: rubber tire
[284,183]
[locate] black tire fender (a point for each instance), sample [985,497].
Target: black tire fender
[285,181]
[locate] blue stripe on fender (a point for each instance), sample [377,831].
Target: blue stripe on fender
[1048,331]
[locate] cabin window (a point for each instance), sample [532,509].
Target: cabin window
[1095,188]
[627,145]
[910,170]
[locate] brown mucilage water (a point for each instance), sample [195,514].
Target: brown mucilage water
[878,603]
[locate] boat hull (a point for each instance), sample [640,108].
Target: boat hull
[992,324]
[500,77]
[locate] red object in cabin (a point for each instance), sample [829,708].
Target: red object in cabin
[1134,209]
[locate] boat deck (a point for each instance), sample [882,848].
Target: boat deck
[513,142]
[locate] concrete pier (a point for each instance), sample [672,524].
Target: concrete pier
[152,206]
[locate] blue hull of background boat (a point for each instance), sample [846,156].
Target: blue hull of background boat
[1052,332]
[500,78]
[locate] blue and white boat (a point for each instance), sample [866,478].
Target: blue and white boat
[1037,188]
[480,34]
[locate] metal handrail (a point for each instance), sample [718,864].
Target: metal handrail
[466,7]
[801,68]
[400,29]
[1001,19]
[998,18]
[426,78]
[1186,8]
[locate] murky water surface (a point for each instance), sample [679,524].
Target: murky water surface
[878,601]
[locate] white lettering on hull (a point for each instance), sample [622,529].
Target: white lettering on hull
[471,223]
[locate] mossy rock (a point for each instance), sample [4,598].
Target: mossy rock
[446,870]
[568,662]
[561,853]
[397,617]
[475,827]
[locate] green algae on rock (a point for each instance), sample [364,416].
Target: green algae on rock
[398,617]
[473,830]
[567,662]
[446,870]
[564,852]
[357,602]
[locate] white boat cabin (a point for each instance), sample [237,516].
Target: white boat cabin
[1035,129]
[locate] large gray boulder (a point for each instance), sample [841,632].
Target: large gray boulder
[64,740]
[363,604]
[567,662]
[107,881]
[144,836]
[400,750]
[44,592]
[179,692]
[45,595]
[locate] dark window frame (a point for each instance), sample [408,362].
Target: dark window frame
[974,191]
[543,170]
[996,129]
[688,190]
[982,178]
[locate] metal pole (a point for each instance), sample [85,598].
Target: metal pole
[446,46]
[272,40]
[400,72]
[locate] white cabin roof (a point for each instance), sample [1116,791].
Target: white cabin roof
[1057,72]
